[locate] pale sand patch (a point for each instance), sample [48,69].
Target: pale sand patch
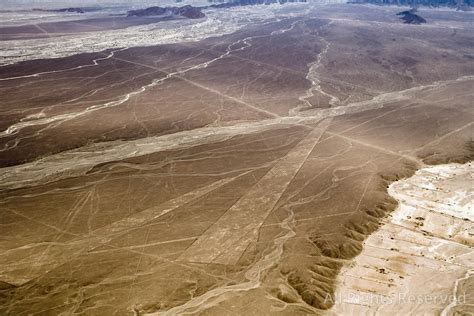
[412,264]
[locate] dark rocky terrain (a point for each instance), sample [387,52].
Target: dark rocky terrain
[68,10]
[409,17]
[186,11]
[237,3]
[461,4]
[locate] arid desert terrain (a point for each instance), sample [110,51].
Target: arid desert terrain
[242,164]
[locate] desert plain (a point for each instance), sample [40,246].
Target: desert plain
[253,172]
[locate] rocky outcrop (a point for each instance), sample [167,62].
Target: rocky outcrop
[415,3]
[187,11]
[250,2]
[409,17]
[68,10]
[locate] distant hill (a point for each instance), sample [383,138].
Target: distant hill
[235,3]
[191,12]
[414,3]
[186,11]
[68,10]
[410,17]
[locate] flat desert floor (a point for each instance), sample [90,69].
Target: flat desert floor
[236,174]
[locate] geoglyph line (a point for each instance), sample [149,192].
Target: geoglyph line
[225,241]
[81,244]
[254,273]
[15,128]
[77,161]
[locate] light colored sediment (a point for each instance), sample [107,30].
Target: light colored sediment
[413,263]
[217,22]
[40,120]
[76,162]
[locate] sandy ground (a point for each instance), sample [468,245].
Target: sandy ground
[224,173]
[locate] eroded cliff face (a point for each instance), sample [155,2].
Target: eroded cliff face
[421,260]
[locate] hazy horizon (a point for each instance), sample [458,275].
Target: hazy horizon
[29,4]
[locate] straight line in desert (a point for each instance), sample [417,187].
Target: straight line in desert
[178,74]
[226,240]
[439,139]
[382,149]
[103,235]
[152,213]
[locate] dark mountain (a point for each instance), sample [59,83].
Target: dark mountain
[191,12]
[152,11]
[415,3]
[236,3]
[69,10]
[187,11]
[409,17]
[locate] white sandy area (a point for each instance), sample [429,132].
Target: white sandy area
[414,262]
